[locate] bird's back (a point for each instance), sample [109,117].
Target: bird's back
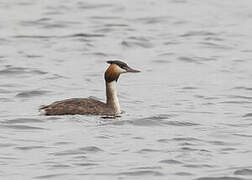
[78,106]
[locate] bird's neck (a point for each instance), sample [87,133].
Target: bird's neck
[111,94]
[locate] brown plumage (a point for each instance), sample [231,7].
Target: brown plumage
[78,106]
[89,106]
[112,73]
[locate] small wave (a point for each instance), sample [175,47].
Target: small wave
[181,123]
[83,150]
[183,174]
[148,121]
[189,60]
[228,149]
[8,158]
[220,178]
[152,20]
[160,120]
[199,33]
[6,100]
[86,164]
[56,76]
[54,25]
[141,173]
[55,36]
[216,46]
[186,139]
[127,43]
[243,135]
[92,149]
[100,54]
[153,122]
[190,149]
[105,17]
[214,39]
[50,176]
[161,61]
[85,35]
[21,127]
[25,148]
[165,54]
[33,56]
[3,91]
[10,85]
[189,88]
[62,143]
[236,102]
[247,115]
[173,42]
[87,6]
[244,172]
[27,94]
[34,37]
[148,150]
[59,166]
[148,167]
[22,120]
[116,25]
[170,161]
[9,70]
[2,145]
[198,166]
[243,88]
[138,41]
[222,143]
[69,152]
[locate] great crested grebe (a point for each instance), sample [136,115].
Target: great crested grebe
[89,106]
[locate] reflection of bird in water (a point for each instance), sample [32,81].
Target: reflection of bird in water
[89,105]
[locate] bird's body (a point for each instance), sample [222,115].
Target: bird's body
[78,106]
[90,106]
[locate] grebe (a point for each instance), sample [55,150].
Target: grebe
[89,106]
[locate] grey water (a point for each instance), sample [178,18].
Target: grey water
[187,115]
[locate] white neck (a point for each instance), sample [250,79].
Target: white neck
[112,99]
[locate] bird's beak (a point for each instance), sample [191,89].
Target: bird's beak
[128,69]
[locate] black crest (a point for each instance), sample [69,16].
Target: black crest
[119,63]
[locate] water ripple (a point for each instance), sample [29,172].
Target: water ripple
[83,150]
[199,33]
[248,115]
[26,148]
[33,93]
[243,88]
[170,161]
[132,43]
[89,6]
[189,60]
[220,178]
[21,127]
[2,145]
[16,71]
[23,120]
[244,172]
[152,121]
[86,35]
[86,164]
[141,173]
[49,176]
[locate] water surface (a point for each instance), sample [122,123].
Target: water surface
[188,115]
